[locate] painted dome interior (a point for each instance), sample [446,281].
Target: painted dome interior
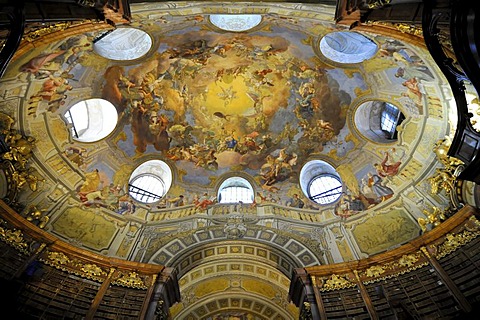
[281,102]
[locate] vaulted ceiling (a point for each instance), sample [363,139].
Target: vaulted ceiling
[273,91]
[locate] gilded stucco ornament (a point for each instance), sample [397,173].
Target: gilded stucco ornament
[16,151]
[131,280]
[335,282]
[375,271]
[57,258]
[37,216]
[402,27]
[444,178]
[14,238]
[432,218]
[377,4]
[92,271]
[455,241]
[407,260]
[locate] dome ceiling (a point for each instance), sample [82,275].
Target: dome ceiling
[213,104]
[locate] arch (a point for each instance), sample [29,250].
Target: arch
[280,251]
[239,302]
[235,189]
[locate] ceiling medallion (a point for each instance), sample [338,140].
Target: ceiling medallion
[235,22]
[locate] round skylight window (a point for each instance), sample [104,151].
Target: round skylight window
[124,44]
[320,182]
[325,189]
[150,181]
[235,22]
[91,120]
[378,121]
[347,47]
[235,190]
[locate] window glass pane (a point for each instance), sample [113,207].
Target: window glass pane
[389,120]
[325,189]
[147,188]
[236,195]
[92,119]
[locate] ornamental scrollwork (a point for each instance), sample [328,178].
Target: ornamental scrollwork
[374,271]
[92,271]
[132,280]
[306,312]
[432,218]
[15,152]
[407,260]
[15,239]
[377,4]
[335,282]
[454,241]
[444,178]
[57,258]
[406,263]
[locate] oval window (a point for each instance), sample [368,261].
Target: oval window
[320,182]
[347,47]
[150,181]
[235,22]
[378,121]
[91,120]
[123,44]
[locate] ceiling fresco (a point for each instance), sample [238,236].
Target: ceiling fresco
[210,103]
[214,104]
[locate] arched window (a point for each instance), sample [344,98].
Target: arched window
[91,120]
[150,181]
[347,47]
[320,182]
[123,44]
[235,190]
[235,22]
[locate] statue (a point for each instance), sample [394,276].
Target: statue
[37,216]
[432,218]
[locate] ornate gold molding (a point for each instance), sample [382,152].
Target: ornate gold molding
[377,4]
[15,239]
[131,280]
[454,241]
[402,27]
[334,282]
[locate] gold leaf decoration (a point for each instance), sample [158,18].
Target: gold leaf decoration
[454,241]
[336,282]
[92,271]
[374,271]
[58,258]
[407,260]
[14,238]
[132,280]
